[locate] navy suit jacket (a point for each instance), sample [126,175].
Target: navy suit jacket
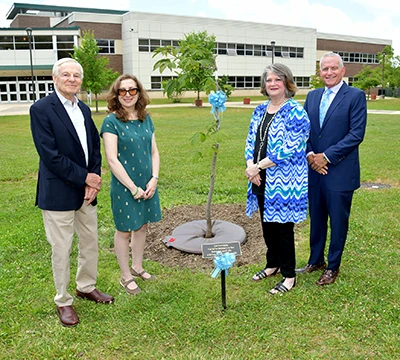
[339,137]
[62,166]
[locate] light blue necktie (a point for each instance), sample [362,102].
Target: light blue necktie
[323,107]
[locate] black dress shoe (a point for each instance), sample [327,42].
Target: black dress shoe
[328,277]
[67,316]
[95,296]
[310,268]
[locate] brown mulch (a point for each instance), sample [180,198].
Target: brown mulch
[253,249]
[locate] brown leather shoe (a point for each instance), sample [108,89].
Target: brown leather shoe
[328,277]
[67,316]
[310,268]
[95,296]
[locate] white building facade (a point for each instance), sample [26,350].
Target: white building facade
[129,39]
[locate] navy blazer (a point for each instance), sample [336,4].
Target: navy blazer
[339,137]
[62,166]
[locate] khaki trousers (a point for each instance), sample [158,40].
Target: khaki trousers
[60,227]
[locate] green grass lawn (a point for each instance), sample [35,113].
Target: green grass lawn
[180,316]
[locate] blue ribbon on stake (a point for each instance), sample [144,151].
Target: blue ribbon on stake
[217,100]
[222,261]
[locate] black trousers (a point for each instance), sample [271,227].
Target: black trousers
[279,239]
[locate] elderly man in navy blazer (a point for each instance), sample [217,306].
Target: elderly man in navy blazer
[338,117]
[68,145]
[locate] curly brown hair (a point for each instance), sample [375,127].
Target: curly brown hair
[115,106]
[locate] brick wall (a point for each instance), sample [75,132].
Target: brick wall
[349,46]
[23,21]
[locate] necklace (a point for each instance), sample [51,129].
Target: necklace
[263,137]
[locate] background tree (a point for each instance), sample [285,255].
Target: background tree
[224,86]
[97,75]
[192,62]
[390,67]
[316,80]
[368,78]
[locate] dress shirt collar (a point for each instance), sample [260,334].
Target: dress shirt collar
[335,89]
[65,101]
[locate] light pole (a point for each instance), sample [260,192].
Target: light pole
[383,74]
[273,50]
[29,33]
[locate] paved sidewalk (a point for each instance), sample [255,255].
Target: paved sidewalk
[23,108]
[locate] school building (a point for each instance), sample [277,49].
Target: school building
[39,35]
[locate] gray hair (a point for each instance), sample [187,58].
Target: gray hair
[284,73]
[332,54]
[62,61]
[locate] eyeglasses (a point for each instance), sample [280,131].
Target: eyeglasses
[131,91]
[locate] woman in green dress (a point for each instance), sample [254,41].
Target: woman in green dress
[132,155]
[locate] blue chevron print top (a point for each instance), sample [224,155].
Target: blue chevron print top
[286,184]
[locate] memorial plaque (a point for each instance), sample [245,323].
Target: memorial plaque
[209,250]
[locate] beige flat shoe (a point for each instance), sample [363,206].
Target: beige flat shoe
[135,274]
[125,283]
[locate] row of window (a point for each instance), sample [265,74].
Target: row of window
[233,49]
[17,89]
[238,82]
[356,57]
[150,45]
[65,43]
[25,78]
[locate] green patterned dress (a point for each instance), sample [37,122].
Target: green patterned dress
[134,153]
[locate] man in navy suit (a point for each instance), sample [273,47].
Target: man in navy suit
[68,145]
[338,117]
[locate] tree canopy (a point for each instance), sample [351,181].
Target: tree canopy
[97,74]
[193,63]
[367,78]
[316,80]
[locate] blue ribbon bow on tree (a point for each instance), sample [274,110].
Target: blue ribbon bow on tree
[222,261]
[217,100]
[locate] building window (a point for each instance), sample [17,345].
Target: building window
[21,42]
[43,42]
[65,46]
[240,49]
[154,44]
[156,81]
[221,49]
[356,57]
[302,81]
[258,50]
[144,45]
[6,42]
[352,80]
[106,46]
[249,50]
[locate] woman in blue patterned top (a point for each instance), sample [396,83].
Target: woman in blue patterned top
[277,172]
[132,154]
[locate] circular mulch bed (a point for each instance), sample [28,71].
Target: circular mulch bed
[253,249]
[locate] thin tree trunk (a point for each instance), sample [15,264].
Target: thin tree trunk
[210,194]
[213,164]
[97,104]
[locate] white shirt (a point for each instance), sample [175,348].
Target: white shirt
[77,119]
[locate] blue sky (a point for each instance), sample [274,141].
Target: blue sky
[369,18]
